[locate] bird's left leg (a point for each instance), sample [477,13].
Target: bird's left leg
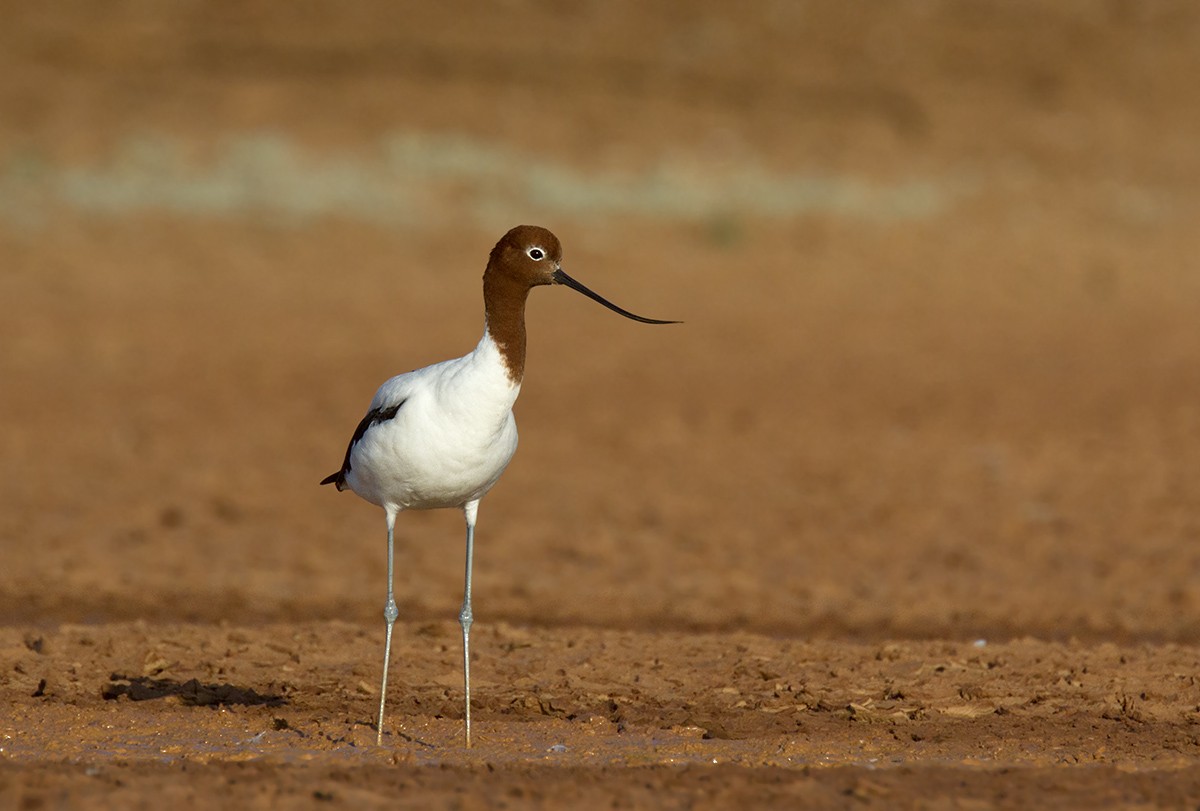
[465,618]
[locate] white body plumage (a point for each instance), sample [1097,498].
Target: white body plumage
[451,435]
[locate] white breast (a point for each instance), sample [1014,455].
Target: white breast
[448,442]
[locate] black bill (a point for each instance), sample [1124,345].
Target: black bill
[562,278]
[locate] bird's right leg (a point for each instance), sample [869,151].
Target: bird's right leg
[390,612]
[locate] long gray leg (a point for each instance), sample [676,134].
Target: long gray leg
[470,510]
[390,612]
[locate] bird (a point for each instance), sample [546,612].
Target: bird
[441,436]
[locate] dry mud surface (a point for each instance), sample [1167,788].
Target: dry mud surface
[906,514]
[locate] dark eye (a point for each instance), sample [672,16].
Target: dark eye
[536,254]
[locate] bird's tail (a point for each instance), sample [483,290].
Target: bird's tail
[337,479]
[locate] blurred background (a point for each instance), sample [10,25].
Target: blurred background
[937,264]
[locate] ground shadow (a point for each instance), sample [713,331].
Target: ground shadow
[192,693]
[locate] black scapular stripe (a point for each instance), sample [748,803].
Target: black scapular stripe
[374,417]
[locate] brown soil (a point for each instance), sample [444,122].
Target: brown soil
[905,514]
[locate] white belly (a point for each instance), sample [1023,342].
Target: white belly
[421,462]
[444,436]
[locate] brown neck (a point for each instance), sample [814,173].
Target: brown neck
[504,308]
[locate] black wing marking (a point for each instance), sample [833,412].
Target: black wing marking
[374,417]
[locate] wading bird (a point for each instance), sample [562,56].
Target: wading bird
[442,435]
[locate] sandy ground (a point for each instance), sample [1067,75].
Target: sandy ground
[904,515]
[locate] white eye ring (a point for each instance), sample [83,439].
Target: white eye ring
[536,254]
